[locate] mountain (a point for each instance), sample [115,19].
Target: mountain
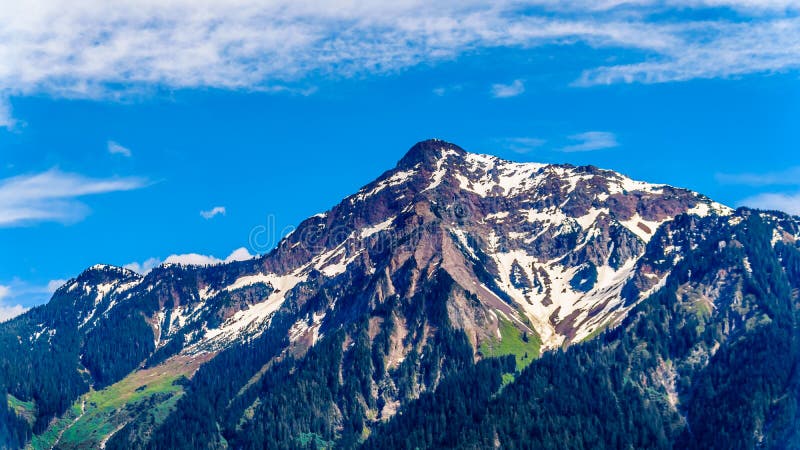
[459,300]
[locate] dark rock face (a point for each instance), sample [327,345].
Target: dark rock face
[427,153]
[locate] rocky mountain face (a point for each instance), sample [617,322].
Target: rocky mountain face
[709,360]
[448,260]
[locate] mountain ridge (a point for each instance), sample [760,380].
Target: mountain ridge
[417,180]
[418,175]
[447,259]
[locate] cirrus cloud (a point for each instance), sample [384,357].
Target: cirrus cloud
[52,196]
[786,177]
[94,48]
[786,202]
[523,144]
[591,140]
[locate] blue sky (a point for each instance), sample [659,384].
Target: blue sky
[134,134]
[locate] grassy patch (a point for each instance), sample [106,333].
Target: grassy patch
[110,408]
[26,410]
[49,438]
[524,346]
[153,391]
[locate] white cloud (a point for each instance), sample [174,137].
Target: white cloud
[240,254]
[53,285]
[789,203]
[788,177]
[143,267]
[591,140]
[191,259]
[514,89]
[101,49]
[18,296]
[195,259]
[53,196]
[8,312]
[217,210]
[116,149]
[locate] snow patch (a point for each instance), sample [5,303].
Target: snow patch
[620,184]
[333,262]
[589,218]
[498,216]
[605,295]
[636,223]
[385,225]
[489,174]
[302,327]
[747,266]
[707,208]
[462,239]
[441,171]
[206,293]
[253,321]
[396,179]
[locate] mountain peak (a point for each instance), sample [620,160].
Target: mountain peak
[427,152]
[105,272]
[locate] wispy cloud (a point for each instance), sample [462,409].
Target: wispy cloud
[513,89]
[712,50]
[116,149]
[6,118]
[523,144]
[193,259]
[211,213]
[53,196]
[787,202]
[782,201]
[95,48]
[441,91]
[788,177]
[591,140]
[17,296]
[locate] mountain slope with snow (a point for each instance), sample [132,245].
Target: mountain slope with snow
[449,253]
